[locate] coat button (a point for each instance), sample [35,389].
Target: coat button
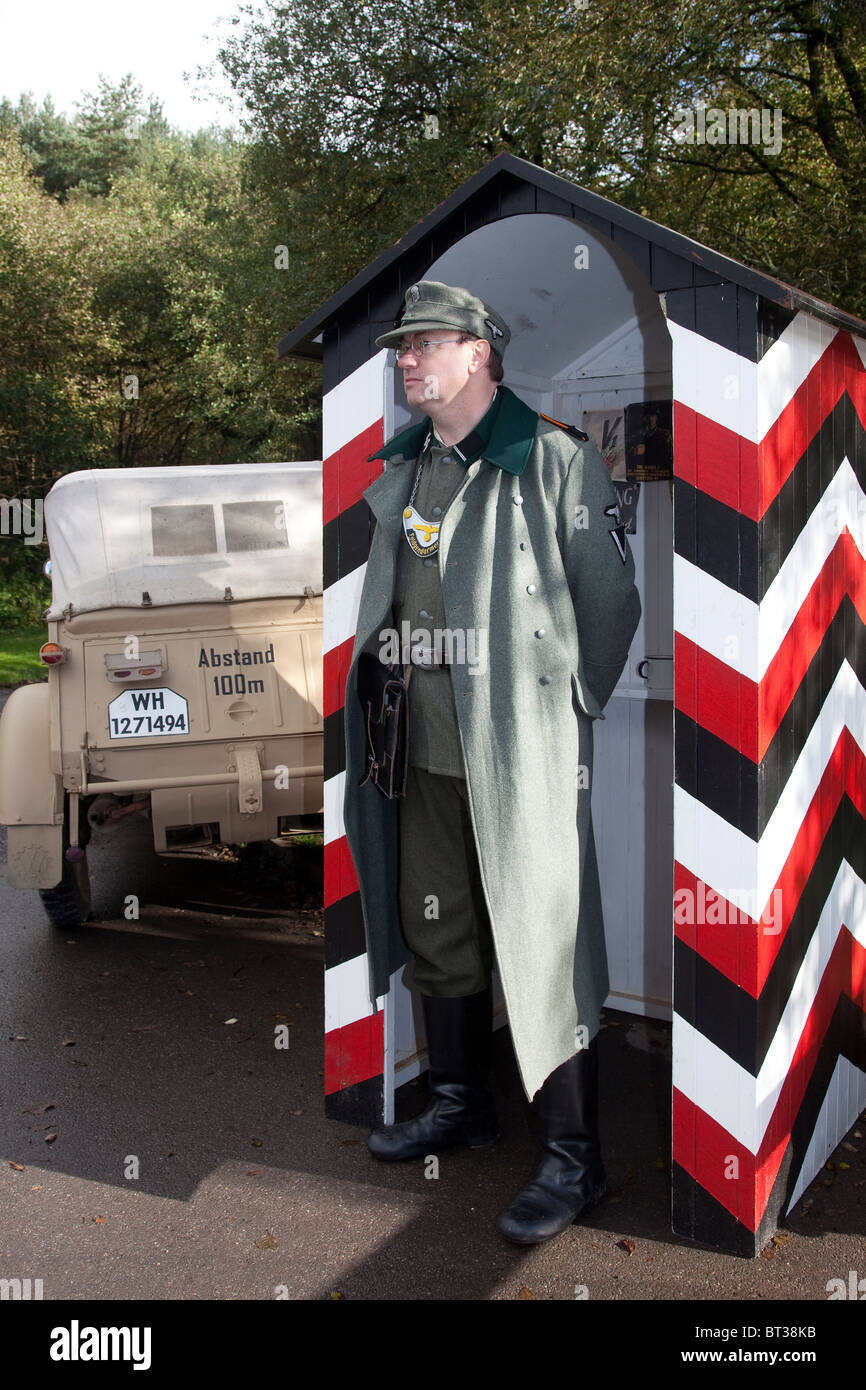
[425,614]
[437,511]
[530,588]
[539,631]
[544,680]
[523,545]
[446,458]
[429,563]
[518,500]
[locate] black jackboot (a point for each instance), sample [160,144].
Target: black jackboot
[460,1110]
[570,1175]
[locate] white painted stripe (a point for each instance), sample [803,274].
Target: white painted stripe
[786,365]
[340,604]
[715,617]
[860,345]
[354,405]
[335,788]
[843,1101]
[347,993]
[732,627]
[714,850]
[741,1103]
[738,394]
[714,381]
[843,504]
[729,861]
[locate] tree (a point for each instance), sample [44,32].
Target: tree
[338,93]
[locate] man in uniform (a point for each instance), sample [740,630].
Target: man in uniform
[499,574]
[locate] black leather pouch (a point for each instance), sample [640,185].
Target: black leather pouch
[384,695]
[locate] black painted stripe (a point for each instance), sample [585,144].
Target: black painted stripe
[346,542]
[726,780]
[716,774]
[738,1024]
[362,1104]
[344,930]
[335,744]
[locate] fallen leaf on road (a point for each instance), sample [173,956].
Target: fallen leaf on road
[335,1293]
[526,1293]
[67,1042]
[297,1112]
[37,1187]
[231,1020]
[266,1242]
[781,1238]
[852,1148]
[19,1167]
[256,1143]
[49,1138]
[254,1172]
[845,1166]
[18,1037]
[98,1220]
[628,1245]
[769,1253]
[349,1143]
[39,1109]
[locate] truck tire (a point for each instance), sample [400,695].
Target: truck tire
[67,904]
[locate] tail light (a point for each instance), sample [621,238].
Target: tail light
[50,654]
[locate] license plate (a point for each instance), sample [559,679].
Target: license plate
[151,713]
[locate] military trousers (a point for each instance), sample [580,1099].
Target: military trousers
[442,908]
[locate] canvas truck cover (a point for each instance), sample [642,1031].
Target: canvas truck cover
[184,535]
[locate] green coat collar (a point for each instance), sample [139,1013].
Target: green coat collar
[510,440]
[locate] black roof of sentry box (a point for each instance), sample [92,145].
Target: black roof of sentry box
[508,186]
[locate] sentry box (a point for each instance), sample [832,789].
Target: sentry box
[729,791]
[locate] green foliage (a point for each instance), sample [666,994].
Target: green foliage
[338,93]
[25,593]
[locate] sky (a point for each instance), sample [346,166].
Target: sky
[59,48]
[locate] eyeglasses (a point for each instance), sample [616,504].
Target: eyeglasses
[425,347]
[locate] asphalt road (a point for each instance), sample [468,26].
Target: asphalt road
[156,1144]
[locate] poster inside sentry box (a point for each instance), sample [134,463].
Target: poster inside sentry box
[590,346]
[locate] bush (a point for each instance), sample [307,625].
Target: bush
[25,593]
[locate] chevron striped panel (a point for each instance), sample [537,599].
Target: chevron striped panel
[354,1035]
[770,794]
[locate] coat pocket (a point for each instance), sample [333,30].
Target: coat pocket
[583,698]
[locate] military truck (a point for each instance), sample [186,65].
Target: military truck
[184,670]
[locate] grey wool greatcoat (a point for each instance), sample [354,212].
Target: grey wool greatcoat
[531,554]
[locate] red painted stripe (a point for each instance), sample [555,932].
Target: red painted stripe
[716,460]
[335,671]
[346,474]
[354,1053]
[339,871]
[726,942]
[729,704]
[716,696]
[838,369]
[704,1148]
[744,951]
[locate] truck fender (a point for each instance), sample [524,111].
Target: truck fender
[31,795]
